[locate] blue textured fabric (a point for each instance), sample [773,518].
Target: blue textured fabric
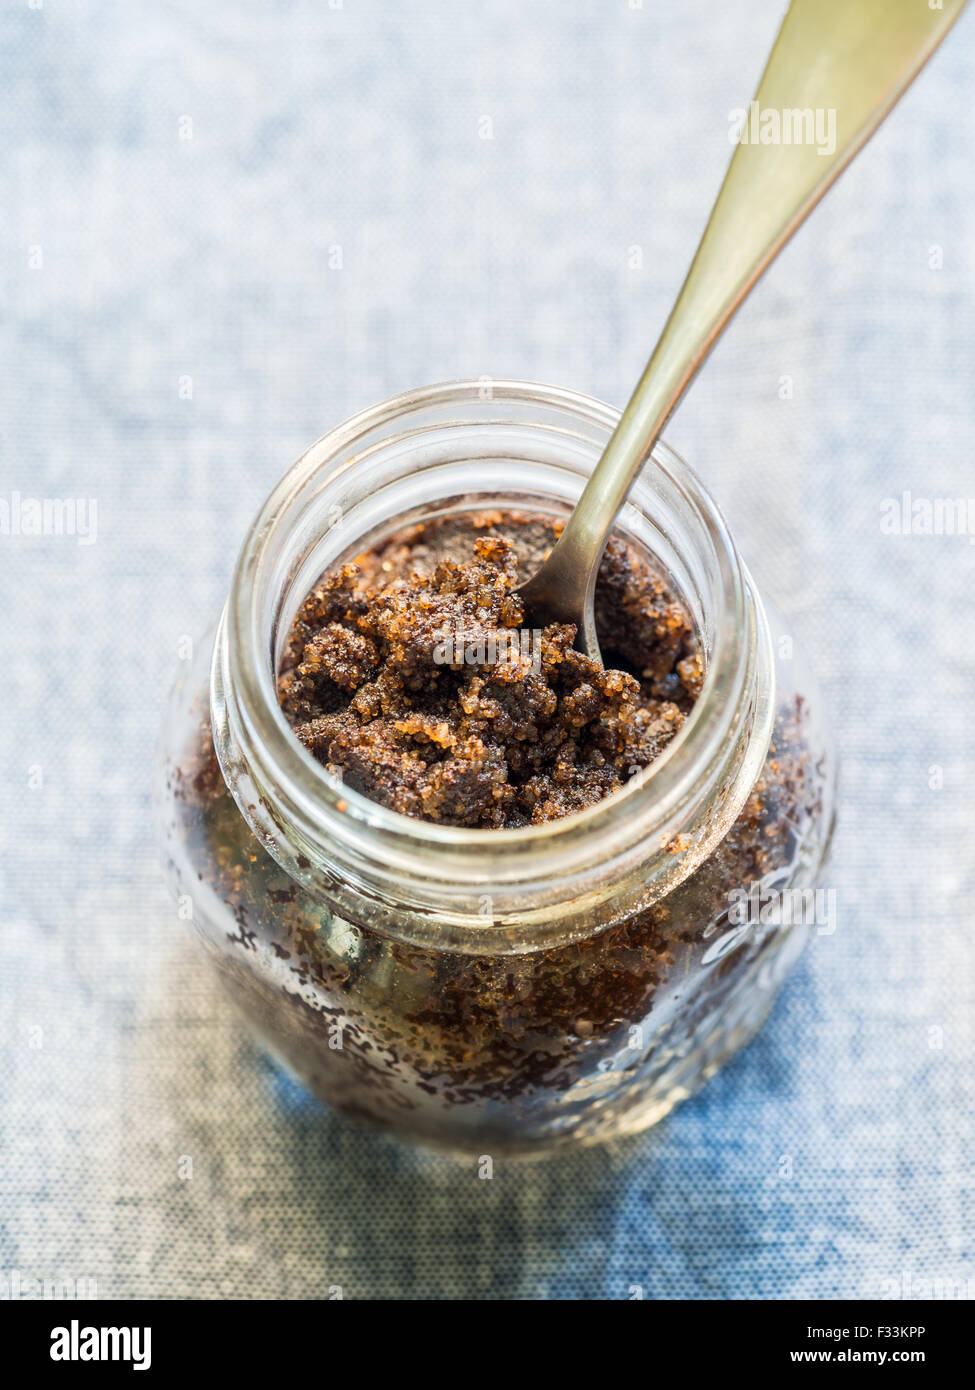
[226,227]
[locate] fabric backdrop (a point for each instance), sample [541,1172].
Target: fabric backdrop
[515,190]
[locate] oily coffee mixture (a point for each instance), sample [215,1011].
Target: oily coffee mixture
[410,675]
[511,1047]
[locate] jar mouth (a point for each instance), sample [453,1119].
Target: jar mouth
[319,802]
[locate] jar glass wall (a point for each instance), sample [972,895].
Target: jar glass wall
[508,990]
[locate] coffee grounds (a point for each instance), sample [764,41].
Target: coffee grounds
[410,676]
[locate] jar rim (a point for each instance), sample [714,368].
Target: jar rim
[656,791]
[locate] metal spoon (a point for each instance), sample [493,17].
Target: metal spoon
[854,58]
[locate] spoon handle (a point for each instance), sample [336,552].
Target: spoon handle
[851,58]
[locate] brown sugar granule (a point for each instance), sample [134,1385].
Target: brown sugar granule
[410,676]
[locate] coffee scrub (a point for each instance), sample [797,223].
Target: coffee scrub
[475,889]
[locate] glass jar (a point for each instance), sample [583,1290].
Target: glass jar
[497,991]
